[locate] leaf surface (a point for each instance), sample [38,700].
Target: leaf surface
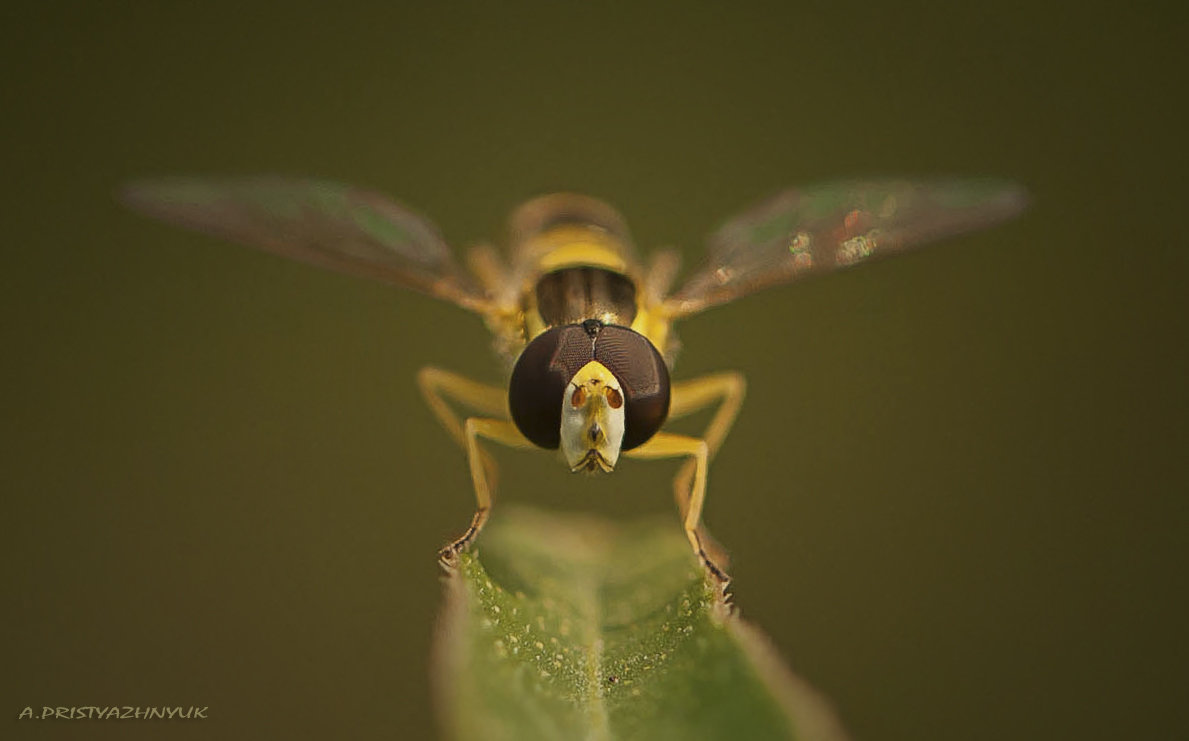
[569,627]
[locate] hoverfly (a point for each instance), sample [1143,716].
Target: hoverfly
[584,325]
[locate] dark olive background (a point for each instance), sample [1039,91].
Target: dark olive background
[955,495]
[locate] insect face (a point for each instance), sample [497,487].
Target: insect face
[592,419]
[592,390]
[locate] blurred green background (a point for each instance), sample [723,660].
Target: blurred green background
[956,495]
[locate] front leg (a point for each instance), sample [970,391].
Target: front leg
[669,445]
[727,390]
[498,430]
[437,386]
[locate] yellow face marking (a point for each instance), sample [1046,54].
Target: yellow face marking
[592,425]
[594,373]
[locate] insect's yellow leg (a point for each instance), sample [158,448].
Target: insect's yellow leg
[437,385]
[727,390]
[482,472]
[669,445]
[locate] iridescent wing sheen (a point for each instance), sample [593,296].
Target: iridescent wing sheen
[343,228]
[815,230]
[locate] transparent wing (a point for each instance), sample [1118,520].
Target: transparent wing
[815,230]
[334,226]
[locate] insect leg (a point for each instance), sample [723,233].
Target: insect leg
[669,445]
[498,430]
[437,385]
[688,397]
[726,389]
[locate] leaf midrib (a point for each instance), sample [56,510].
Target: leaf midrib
[588,604]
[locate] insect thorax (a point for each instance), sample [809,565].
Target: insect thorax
[577,260]
[572,295]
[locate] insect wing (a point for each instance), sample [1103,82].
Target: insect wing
[805,232]
[346,229]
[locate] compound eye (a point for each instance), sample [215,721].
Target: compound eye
[540,382]
[614,398]
[643,379]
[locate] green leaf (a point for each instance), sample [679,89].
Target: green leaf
[569,627]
